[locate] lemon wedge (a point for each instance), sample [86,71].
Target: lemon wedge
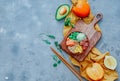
[110,62]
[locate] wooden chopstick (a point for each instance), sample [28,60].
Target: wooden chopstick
[77,74]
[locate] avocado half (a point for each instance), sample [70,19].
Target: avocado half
[58,16]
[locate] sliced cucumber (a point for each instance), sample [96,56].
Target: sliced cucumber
[62,11]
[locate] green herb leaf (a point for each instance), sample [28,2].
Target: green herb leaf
[54,65]
[59,62]
[58,46]
[67,22]
[55,58]
[47,42]
[68,19]
[51,36]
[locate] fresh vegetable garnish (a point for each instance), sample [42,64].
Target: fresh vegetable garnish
[110,62]
[62,11]
[95,72]
[81,9]
[68,22]
[73,35]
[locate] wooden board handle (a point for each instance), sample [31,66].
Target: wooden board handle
[97,18]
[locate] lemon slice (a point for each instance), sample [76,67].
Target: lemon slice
[110,62]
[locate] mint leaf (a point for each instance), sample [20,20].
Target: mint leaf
[57,45]
[54,65]
[47,42]
[55,58]
[59,62]
[51,36]
[67,22]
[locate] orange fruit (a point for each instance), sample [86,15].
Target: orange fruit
[81,9]
[95,72]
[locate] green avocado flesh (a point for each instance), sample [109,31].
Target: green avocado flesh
[58,16]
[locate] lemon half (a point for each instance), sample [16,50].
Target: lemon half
[110,62]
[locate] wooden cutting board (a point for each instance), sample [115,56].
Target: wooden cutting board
[92,35]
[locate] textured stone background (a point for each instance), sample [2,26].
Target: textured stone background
[24,57]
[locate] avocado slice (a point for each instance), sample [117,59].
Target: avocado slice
[62,11]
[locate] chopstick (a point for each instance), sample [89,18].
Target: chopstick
[67,64]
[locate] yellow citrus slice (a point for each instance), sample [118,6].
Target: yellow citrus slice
[110,62]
